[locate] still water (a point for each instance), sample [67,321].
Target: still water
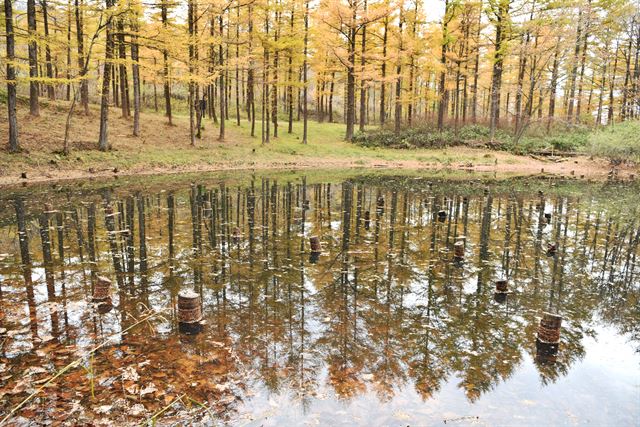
[395,321]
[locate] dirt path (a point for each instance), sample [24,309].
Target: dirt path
[505,164]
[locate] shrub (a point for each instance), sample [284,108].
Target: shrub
[618,143]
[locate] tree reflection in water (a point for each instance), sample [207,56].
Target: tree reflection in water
[384,307]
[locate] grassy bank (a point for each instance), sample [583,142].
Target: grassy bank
[618,143]
[163,148]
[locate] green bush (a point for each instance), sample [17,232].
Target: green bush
[619,143]
[419,137]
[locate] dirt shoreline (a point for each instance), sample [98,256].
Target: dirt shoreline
[579,167]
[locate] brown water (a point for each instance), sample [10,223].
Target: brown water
[383,327]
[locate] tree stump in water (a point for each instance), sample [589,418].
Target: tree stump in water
[367,220]
[549,328]
[500,297]
[314,241]
[442,216]
[502,285]
[102,290]
[458,249]
[189,312]
[546,353]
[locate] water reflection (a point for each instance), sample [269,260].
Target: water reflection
[307,289]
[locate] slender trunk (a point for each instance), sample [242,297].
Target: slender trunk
[498,60]
[51,93]
[304,74]
[237,65]
[612,83]
[103,141]
[582,66]
[165,65]
[383,72]
[136,77]
[574,68]
[191,17]
[398,100]
[14,144]
[222,82]
[34,106]
[84,84]
[251,105]
[443,94]
[363,98]
[476,70]
[124,81]
[554,84]
[331,90]
[68,48]
[290,73]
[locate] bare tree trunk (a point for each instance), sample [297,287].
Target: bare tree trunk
[363,98]
[84,84]
[165,65]
[612,83]
[498,60]
[47,52]
[290,73]
[124,81]
[136,76]
[237,65]
[331,90]
[34,106]
[251,103]
[554,84]
[103,141]
[14,144]
[574,69]
[398,100]
[383,72]
[443,94]
[304,74]
[222,92]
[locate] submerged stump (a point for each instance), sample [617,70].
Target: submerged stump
[316,247]
[502,286]
[102,290]
[189,312]
[549,328]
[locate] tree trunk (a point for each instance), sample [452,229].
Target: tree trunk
[47,52]
[443,94]
[498,60]
[103,140]
[165,65]
[222,88]
[136,77]
[305,89]
[398,100]
[84,84]
[363,97]
[554,84]
[14,144]
[383,72]
[124,81]
[34,107]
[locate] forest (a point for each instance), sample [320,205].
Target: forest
[497,67]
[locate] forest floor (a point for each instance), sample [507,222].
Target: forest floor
[165,149]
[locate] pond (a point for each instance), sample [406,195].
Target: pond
[368,299]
